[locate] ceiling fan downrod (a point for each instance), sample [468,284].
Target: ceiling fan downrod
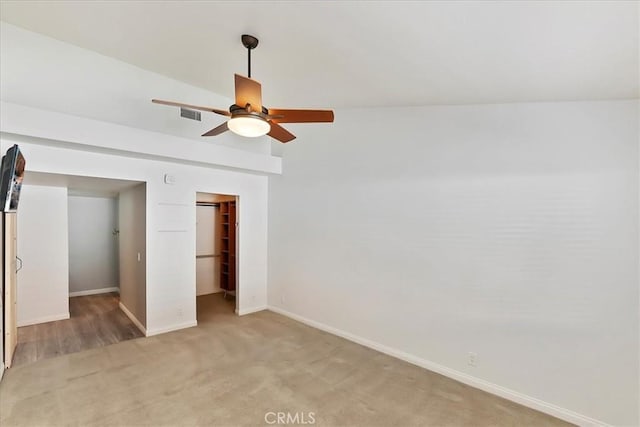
[250,42]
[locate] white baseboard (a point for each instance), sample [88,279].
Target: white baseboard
[94,292]
[514,396]
[133,318]
[43,319]
[172,328]
[250,310]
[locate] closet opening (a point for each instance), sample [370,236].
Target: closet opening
[216,256]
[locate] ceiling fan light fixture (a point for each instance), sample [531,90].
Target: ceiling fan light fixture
[249,126]
[248,116]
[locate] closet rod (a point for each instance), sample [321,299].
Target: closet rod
[207,204]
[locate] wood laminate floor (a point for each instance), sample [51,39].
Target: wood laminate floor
[95,321]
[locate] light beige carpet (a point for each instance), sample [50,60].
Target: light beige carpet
[238,370]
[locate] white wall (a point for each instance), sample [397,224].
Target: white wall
[93,249]
[132,207]
[510,231]
[207,243]
[43,238]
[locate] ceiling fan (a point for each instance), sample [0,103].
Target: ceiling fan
[248,117]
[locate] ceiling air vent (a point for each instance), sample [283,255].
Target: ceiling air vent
[189,114]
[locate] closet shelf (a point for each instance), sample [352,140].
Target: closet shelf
[227,240]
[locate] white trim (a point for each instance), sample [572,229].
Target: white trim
[44,319]
[250,310]
[514,396]
[94,292]
[1,369]
[133,318]
[172,328]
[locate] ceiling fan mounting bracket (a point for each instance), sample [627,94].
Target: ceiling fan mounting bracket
[249,41]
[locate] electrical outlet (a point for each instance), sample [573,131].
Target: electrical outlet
[180,313]
[282,299]
[472,359]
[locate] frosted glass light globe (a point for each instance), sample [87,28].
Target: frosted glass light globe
[249,126]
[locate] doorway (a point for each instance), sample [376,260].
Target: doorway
[107,247]
[216,255]
[71,290]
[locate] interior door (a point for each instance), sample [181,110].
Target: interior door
[10,287]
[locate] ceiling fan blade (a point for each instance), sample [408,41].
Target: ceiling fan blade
[248,91]
[301,116]
[217,130]
[280,133]
[191,107]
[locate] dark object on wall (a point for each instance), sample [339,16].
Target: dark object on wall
[13,165]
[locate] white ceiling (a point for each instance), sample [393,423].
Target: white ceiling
[346,54]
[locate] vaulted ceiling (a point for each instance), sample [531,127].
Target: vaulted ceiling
[346,54]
